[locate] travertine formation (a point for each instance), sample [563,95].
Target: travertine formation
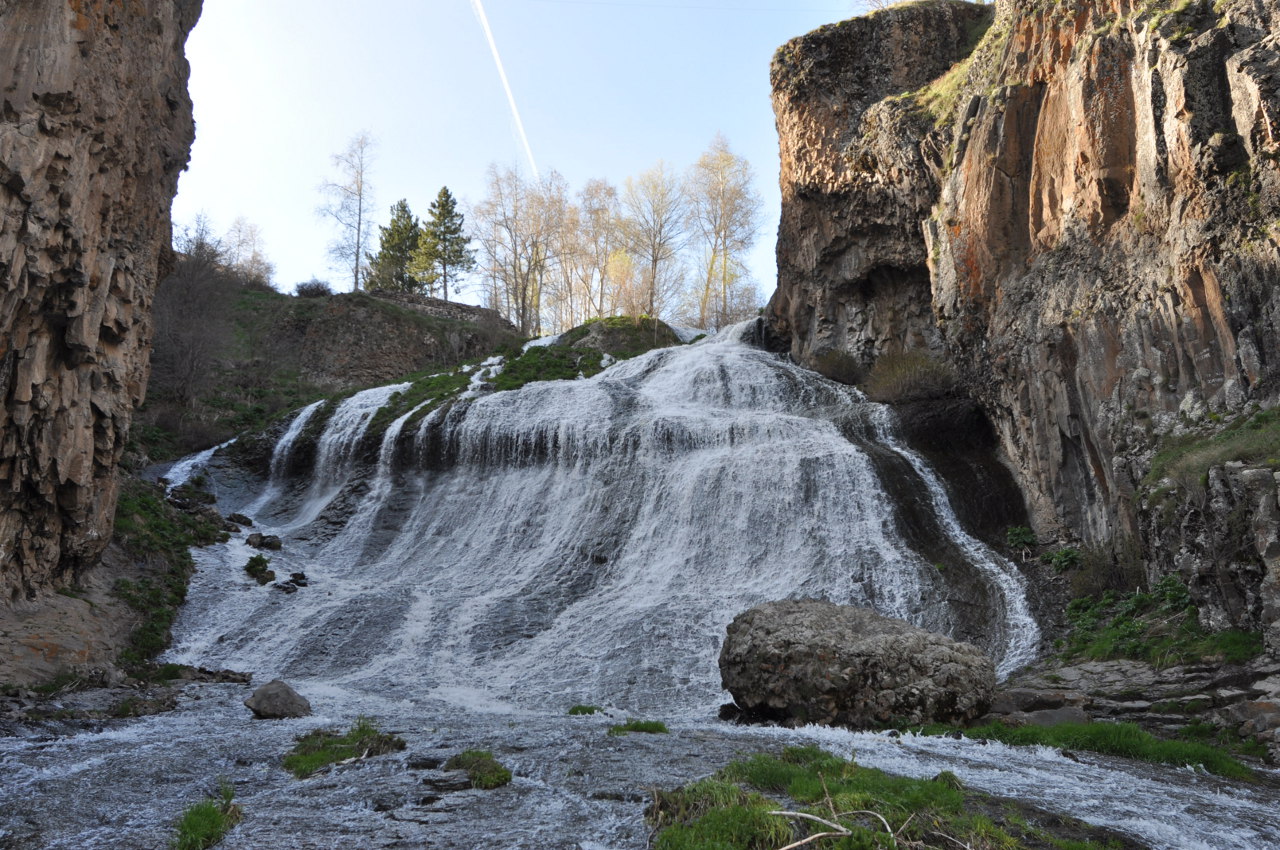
[95,126]
[810,661]
[1081,216]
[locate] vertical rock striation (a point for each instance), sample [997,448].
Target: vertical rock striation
[1083,215]
[95,126]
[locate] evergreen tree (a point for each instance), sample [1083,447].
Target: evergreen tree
[389,269]
[443,254]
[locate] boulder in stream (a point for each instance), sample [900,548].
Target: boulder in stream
[276,699]
[808,661]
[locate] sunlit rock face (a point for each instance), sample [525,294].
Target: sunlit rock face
[95,126]
[1086,231]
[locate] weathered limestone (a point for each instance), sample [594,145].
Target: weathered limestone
[809,661]
[95,126]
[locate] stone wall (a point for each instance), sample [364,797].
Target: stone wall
[95,126]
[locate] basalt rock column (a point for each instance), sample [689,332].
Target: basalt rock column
[95,126]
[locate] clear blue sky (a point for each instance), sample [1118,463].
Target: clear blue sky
[606,88]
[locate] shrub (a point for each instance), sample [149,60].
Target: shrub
[205,823]
[327,746]
[1061,560]
[313,289]
[1020,537]
[482,769]
[909,376]
[258,571]
[651,727]
[838,366]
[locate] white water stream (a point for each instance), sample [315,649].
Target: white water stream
[573,542]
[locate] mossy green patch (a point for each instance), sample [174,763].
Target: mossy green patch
[578,710]
[152,530]
[1186,459]
[737,809]
[1160,626]
[324,747]
[651,727]
[484,771]
[1118,739]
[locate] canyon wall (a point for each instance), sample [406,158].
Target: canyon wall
[1082,216]
[95,126]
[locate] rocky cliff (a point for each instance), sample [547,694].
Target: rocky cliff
[95,126]
[1081,215]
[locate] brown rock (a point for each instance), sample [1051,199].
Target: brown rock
[276,699]
[95,127]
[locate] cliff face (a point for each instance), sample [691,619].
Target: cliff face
[95,127]
[1081,216]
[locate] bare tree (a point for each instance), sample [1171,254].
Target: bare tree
[724,213]
[245,252]
[516,223]
[349,203]
[654,215]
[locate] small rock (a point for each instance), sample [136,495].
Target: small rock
[239,519]
[277,699]
[287,587]
[258,540]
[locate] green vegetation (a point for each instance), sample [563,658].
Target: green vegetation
[585,709]
[1224,739]
[940,98]
[482,769]
[1117,739]
[152,530]
[1159,626]
[864,808]
[257,568]
[1067,558]
[548,363]
[1020,537]
[909,376]
[205,823]
[1186,459]
[652,727]
[430,391]
[328,746]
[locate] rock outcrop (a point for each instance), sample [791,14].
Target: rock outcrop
[95,126]
[808,661]
[276,700]
[1080,216]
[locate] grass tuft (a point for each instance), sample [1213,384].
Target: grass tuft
[585,709]
[1117,739]
[324,747]
[205,823]
[652,727]
[909,376]
[484,771]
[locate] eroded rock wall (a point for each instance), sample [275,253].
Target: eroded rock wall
[1087,227]
[95,126]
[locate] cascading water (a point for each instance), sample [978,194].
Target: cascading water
[520,552]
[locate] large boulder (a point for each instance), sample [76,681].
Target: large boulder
[809,661]
[277,699]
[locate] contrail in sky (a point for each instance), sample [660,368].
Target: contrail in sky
[511,98]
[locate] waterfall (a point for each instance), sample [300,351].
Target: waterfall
[590,540]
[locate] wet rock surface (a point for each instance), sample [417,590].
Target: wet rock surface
[277,699]
[1240,698]
[808,661]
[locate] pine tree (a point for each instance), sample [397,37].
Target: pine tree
[443,254]
[389,269]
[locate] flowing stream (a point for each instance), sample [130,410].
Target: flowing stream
[475,571]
